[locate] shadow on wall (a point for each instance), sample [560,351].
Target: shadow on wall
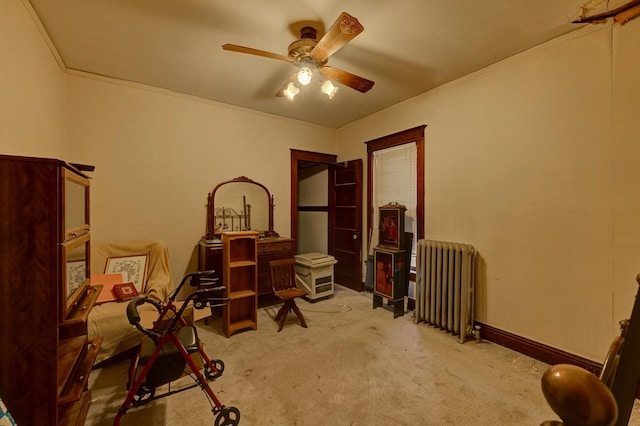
[480,301]
[192,266]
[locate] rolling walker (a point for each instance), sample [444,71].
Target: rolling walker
[167,348]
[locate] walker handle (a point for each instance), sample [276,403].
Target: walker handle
[134,316]
[196,279]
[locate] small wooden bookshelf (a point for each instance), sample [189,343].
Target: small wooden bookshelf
[240,277]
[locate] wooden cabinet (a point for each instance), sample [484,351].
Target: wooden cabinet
[210,257]
[45,291]
[240,277]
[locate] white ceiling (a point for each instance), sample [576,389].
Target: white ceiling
[407,47]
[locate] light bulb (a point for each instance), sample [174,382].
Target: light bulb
[329,89]
[291,91]
[305,75]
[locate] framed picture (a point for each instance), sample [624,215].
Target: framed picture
[133,269]
[391,226]
[76,275]
[384,274]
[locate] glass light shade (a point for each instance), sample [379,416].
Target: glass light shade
[305,75]
[329,89]
[291,91]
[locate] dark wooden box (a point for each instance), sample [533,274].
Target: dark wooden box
[389,273]
[391,226]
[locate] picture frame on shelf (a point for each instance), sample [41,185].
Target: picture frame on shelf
[134,268]
[391,226]
[76,275]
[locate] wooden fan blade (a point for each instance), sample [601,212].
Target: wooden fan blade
[345,29]
[258,52]
[355,82]
[280,93]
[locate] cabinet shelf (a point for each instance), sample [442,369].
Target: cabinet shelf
[241,294]
[78,383]
[74,413]
[70,351]
[241,264]
[81,312]
[76,323]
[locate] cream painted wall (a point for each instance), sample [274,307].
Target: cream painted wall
[32,88]
[524,161]
[313,226]
[158,155]
[625,170]
[533,160]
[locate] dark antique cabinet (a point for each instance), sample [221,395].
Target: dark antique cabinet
[45,291]
[269,249]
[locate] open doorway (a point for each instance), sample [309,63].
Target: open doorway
[326,211]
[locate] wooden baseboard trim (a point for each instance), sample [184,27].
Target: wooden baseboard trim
[535,350]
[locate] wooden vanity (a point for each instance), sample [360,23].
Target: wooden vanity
[210,257]
[242,204]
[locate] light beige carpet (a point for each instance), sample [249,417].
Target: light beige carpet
[354,365]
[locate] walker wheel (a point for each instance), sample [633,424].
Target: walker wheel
[218,365]
[228,417]
[143,395]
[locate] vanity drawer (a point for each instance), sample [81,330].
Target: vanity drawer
[275,247]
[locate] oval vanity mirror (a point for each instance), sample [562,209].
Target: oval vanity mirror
[240,204]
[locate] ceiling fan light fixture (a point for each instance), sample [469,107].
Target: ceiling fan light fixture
[291,91]
[329,89]
[304,76]
[310,56]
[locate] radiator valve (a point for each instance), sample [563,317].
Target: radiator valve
[476,333]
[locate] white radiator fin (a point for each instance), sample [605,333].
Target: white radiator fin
[445,286]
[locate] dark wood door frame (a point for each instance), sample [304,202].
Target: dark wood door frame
[298,156]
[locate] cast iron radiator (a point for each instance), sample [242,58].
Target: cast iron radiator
[445,286]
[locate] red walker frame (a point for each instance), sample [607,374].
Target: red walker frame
[163,334]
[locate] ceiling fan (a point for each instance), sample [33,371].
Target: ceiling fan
[311,56]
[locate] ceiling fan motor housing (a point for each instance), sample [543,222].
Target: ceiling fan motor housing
[308,32]
[300,50]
